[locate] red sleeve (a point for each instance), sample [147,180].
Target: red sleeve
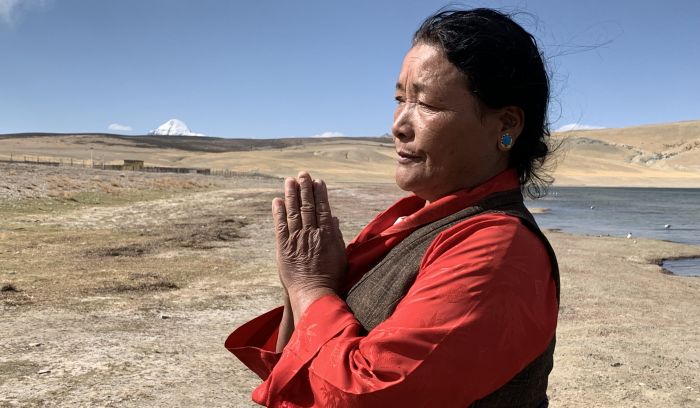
[255,342]
[483,306]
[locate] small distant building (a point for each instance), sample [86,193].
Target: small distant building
[137,165]
[133,165]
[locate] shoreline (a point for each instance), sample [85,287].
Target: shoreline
[628,186]
[690,255]
[624,326]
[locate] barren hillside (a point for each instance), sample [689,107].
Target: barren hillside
[665,155]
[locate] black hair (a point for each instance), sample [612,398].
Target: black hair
[503,67]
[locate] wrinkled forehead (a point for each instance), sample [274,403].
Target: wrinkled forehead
[425,67]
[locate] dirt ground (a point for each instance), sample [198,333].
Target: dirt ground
[119,289]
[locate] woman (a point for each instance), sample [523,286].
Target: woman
[450,296]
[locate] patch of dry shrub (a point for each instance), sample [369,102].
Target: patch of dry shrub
[141,282]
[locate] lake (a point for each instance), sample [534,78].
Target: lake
[671,214]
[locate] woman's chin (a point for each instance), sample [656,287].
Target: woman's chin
[406,179]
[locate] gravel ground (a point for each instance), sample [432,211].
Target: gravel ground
[119,289]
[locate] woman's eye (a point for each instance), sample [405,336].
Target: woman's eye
[426,106]
[398,99]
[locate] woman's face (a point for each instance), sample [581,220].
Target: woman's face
[443,141]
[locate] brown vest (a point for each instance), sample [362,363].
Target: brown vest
[374,298]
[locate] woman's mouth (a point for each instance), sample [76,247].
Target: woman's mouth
[408,157]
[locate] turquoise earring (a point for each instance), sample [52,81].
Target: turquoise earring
[505,142]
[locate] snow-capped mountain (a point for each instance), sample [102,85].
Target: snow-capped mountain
[174,127]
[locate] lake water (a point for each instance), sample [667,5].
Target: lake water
[642,212]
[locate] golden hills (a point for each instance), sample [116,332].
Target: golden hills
[664,155]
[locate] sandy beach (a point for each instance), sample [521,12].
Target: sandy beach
[114,294]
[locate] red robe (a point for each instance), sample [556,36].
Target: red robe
[483,306]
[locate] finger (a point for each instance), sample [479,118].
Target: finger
[291,201]
[323,208]
[279,215]
[308,207]
[336,222]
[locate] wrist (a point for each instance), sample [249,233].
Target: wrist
[301,299]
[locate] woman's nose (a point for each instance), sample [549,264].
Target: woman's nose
[402,128]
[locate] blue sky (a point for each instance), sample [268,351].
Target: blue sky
[281,68]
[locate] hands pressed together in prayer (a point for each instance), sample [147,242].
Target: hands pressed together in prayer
[310,248]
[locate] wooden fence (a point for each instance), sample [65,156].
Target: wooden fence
[128,165]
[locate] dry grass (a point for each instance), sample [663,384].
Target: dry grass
[124,298]
[92,277]
[141,282]
[666,155]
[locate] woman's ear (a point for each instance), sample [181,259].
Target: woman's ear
[512,121]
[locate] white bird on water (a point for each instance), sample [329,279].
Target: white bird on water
[667,226]
[629,235]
